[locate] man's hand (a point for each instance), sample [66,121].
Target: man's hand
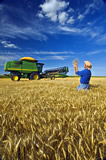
[75,67]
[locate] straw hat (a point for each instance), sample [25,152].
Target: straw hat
[88,64]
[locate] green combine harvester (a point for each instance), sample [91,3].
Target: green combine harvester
[28,67]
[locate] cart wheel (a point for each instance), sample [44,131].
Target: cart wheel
[52,77]
[15,77]
[34,76]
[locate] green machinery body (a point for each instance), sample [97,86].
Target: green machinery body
[26,68]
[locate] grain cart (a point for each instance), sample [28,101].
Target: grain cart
[28,67]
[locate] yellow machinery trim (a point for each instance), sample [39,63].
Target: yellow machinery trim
[28,59]
[20,69]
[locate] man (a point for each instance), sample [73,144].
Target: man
[85,75]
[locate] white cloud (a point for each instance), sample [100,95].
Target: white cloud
[60,57]
[39,55]
[8,44]
[95,5]
[13,31]
[102,40]
[89,23]
[87,31]
[24,28]
[73,30]
[91,8]
[71,20]
[87,11]
[93,34]
[81,17]
[52,9]
[53,58]
[40,14]
[52,16]
[6,58]
[62,17]
[55,10]
[96,52]
[53,6]
[52,53]
[71,10]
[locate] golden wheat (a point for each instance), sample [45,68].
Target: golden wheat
[50,120]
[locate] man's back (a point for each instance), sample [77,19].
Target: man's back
[85,76]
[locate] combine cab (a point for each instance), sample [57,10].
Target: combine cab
[28,67]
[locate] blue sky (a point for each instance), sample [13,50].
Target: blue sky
[54,32]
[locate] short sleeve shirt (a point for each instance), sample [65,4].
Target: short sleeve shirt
[85,76]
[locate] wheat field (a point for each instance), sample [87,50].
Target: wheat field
[50,120]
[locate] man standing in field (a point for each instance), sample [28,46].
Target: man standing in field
[84,74]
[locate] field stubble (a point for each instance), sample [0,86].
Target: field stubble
[50,120]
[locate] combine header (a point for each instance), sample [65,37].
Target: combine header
[57,72]
[28,67]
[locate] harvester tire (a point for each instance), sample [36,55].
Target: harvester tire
[15,77]
[52,77]
[34,76]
